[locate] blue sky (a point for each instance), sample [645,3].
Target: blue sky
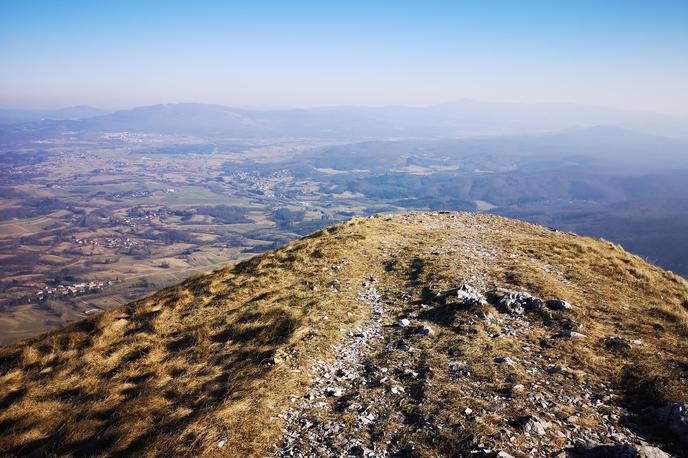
[628,54]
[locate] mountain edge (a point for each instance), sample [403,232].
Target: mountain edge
[422,334]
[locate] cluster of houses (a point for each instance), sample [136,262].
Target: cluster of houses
[131,195]
[110,242]
[130,221]
[258,182]
[75,289]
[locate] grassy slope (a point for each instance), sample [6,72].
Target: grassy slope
[218,356]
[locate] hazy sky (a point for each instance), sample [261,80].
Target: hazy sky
[630,54]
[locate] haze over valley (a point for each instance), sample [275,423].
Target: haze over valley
[101,210]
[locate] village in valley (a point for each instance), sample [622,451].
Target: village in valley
[89,223]
[73,290]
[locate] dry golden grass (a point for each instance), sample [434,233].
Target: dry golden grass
[188,366]
[217,357]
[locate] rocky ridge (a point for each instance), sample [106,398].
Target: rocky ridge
[380,373]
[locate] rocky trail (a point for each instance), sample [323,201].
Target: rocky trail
[373,399]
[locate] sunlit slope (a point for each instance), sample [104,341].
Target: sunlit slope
[226,363]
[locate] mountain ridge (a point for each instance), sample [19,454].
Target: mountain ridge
[450,119]
[415,335]
[18,115]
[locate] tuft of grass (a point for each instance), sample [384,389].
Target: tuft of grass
[675,316]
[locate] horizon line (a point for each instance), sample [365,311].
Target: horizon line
[353,106]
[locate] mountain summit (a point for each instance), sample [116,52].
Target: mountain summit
[425,334]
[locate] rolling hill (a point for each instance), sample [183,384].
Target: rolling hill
[423,334]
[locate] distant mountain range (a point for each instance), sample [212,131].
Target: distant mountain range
[465,117]
[613,148]
[13,116]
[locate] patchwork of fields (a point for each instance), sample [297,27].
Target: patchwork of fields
[94,224]
[89,220]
